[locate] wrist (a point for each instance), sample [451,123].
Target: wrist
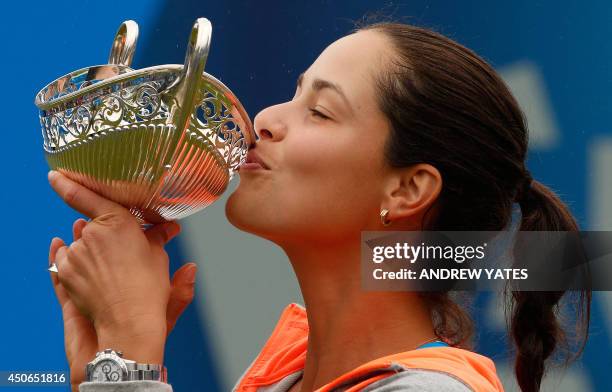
[143,349]
[140,342]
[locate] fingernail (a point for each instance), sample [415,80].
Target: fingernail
[51,175]
[191,274]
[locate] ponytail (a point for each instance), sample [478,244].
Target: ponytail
[534,326]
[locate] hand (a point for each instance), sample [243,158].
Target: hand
[80,338]
[110,300]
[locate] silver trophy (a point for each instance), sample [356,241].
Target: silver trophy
[163,141]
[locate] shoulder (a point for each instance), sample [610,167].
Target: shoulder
[418,380]
[472,369]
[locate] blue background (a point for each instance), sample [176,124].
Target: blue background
[259,48]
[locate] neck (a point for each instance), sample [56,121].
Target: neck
[347,325]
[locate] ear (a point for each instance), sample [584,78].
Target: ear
[411,191]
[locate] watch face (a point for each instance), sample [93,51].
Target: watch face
[106,371]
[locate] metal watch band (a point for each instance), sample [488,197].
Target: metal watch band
[146,371]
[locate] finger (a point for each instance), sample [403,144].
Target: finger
[77,228]
[56,243]
[181,294]
[60,292]
[162,233]
[81,198]
[60,257]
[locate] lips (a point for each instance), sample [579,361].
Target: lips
[254,161]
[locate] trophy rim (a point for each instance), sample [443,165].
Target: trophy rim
[46,105]
[135,74]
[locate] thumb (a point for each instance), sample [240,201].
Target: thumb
[181,293]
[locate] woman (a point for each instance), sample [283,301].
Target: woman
[392,128]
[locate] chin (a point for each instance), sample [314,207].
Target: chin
[233,211]
[251,217]
[242,213]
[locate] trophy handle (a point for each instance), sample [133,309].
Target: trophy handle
[188,86]
[124,44]
[184,91]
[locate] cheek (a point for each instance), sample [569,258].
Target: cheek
[331,182]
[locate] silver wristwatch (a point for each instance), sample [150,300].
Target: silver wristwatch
[110,366]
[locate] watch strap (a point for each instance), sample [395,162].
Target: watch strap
[146,371]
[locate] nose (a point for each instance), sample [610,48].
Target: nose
[270,125]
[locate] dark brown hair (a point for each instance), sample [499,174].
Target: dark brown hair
[447,107]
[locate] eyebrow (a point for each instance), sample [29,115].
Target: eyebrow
[320,84]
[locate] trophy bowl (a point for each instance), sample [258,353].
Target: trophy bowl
[163,141]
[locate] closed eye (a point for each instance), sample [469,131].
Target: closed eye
[317,113]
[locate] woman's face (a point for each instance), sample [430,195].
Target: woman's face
[324,150]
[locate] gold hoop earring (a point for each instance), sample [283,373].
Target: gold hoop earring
[383,217]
